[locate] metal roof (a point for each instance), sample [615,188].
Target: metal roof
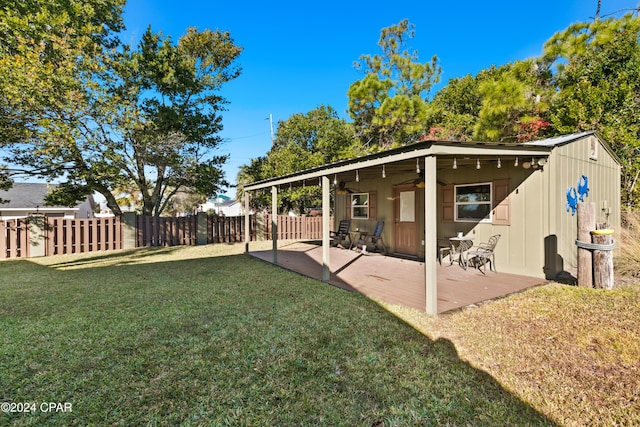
[407,152]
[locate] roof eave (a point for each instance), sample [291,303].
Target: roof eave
[423,149]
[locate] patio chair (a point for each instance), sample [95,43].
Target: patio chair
[459,251]
[342,233]
[444,249]
[482,254]
[374,239]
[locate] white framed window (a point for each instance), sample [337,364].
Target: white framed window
[360,206]
[473,202]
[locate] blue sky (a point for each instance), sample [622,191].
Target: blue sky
[300,55]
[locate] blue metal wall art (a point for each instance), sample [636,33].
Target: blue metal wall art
[573,195]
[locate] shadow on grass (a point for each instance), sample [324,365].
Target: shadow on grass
[132,256]
[227,340]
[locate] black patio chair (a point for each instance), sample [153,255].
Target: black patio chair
[374,239]
[482,254]
[342,233]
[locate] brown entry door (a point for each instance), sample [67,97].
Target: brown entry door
[406,226]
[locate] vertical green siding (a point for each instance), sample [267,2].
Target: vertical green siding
[538,217]
[569,162]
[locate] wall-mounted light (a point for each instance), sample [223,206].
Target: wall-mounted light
[499,163]
[357,176]
[384,173]
[417,165]
[478,163]
[455,163]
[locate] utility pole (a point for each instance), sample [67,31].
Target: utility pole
[273,140]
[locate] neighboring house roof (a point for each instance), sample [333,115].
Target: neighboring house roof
[28,196]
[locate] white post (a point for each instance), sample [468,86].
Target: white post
[430,235]
[273,139]
[274,222]
[247,217]
[326,271]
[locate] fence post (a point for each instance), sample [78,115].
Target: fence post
[260,231]
[36,235]
[202,228]
[129,232]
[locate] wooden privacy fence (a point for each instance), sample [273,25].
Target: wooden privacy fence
[41,236]
[166,231]
[72,236]
[295,228]
[229,229]
[14,238]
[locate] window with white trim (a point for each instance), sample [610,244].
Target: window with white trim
[360,206]
[473,202]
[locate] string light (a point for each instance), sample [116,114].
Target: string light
[357,176]
[455,163]
[478,163]
[417,165]
[335,179]
[384,174]
[516,162]
[499,163]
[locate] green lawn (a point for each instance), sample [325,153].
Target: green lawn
[208,336]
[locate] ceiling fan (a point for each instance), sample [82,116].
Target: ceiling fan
[343,189]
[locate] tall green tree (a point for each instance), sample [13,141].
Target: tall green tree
[454,110]
[389,105]
[146,117]
[515,102]
[598,87]
[48,47]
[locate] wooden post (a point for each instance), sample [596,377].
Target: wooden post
[37,235]
[586,224]
[326,241]
[274,223]
[603,259]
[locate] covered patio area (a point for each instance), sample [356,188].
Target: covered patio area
[398,281]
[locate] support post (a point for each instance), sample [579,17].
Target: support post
[202,238]
[129,230]
[586,224]
[37,232]
[247,226]
[326,212]
[430,235]
[274,223]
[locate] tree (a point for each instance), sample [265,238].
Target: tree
[147,118]
[598,82]
[454,109]
[46,46]
[302,141]
[515,102]
[389,105]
